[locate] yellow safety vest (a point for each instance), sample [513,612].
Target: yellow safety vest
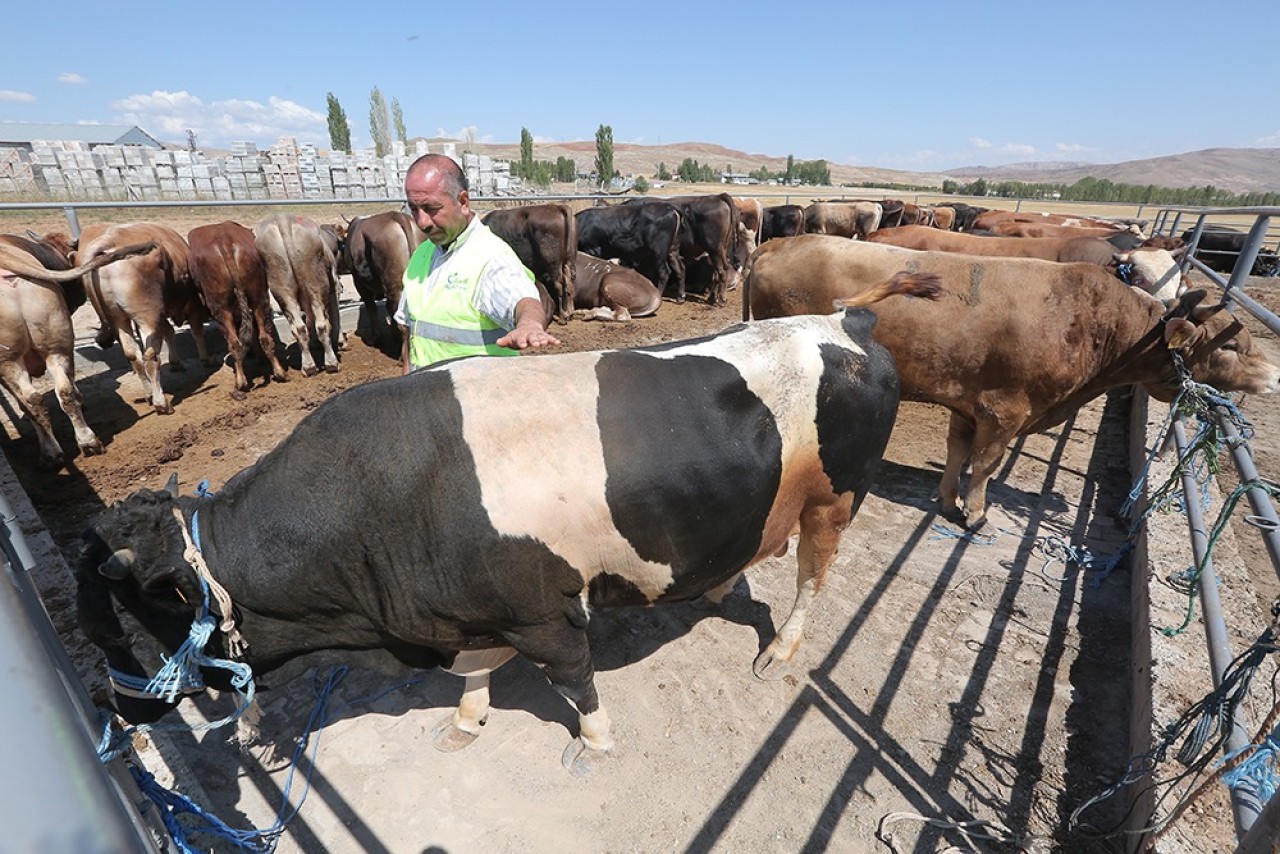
[442,321]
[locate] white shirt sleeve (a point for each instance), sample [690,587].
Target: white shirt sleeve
[401,316]
[503,284]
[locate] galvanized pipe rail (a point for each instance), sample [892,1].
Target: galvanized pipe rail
[1246,805]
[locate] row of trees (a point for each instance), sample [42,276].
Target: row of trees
[384,120]
[1102,190]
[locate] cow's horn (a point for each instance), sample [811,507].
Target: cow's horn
[171,486]
[118,566]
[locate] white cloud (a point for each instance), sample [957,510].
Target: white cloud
[217,124]
[1073,148]
[17,97]
[1017,149]
[1271,140]
[979,142]
[544,139]
[467,133]
[72,77]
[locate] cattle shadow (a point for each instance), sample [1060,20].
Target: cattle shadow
[1096,718]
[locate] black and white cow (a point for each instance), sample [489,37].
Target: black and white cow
[450,542]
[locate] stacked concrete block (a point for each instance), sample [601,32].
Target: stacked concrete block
[16,172]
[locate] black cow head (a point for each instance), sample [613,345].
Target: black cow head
[137,595]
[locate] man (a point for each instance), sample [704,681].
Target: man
[465,291]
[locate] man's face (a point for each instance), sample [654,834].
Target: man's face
[439,213]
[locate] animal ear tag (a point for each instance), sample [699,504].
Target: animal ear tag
[1179,333]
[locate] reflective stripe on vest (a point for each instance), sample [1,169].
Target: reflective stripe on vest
[454,335]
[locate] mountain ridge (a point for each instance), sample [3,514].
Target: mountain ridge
[1237,170]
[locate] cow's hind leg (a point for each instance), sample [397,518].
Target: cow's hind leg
[16,381]
[61,370]
[820,529]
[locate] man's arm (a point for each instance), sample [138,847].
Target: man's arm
[530,329]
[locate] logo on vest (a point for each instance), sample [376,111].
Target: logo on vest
[456,282]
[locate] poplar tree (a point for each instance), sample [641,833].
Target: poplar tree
[397,120]
[379,123]
[604,154]
[339,130]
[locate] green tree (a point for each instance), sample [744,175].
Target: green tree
[566,170]
[339,130]
[379,123]
[397,121]
[604,154]
[526,153]
[663,173]
[791,169]
[978,187]
[641,185]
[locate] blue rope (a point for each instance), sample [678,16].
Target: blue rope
[172,804]
[1259,774]
[203,490]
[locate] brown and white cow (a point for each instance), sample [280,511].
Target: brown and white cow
[751,217]
[545,238]
[1156,271]
[143,298]
[604,290]
[1015,345]
[844,219]
[302,274]
[377,250]
[227,268]
[36,336]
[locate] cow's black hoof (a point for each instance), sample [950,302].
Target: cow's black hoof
[582,761]
[238,394]
[93,448]
[976,524]
[446,737]
[330,369]
[310,372]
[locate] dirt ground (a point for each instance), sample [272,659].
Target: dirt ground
[941,678]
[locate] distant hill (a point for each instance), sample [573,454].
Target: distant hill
[1237,170]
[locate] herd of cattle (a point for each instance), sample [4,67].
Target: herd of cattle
[1011,332]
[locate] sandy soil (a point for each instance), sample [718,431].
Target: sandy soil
[941,677]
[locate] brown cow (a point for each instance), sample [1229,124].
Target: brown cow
[988,219]
[227,268]
[751,216]
[1041,229]
[607,291]
[302,274]
[1015,345]
[545,238]
[1156,271]
[844,219]
[36,335]
[944,217]
[143,298]
[377,250]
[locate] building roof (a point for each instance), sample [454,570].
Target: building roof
[22,133]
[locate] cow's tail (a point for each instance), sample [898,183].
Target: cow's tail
[924,285]
[244,325]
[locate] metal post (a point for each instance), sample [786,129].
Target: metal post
[73,222]
[1264,512]
[1244,807]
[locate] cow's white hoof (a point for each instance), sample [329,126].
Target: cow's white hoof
[580,760]
[447,737]
[770,667]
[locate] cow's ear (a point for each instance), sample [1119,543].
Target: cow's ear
[176,583]
[1181,334]
[1185,303]
[1121,257]
[171,486]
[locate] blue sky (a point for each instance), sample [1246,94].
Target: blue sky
[921,86]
